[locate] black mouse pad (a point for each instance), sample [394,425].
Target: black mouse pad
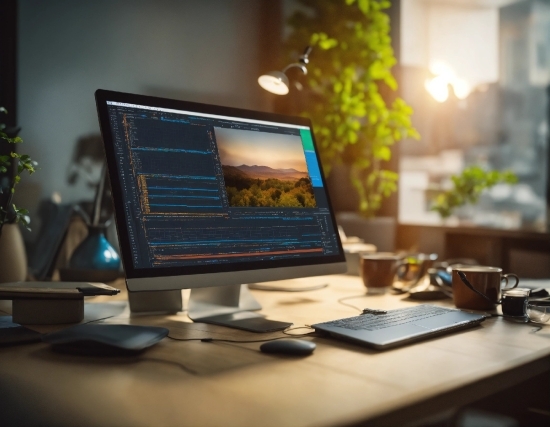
[105,339]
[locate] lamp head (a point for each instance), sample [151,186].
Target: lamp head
[275,82]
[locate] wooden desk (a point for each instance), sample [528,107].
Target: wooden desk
[236,385]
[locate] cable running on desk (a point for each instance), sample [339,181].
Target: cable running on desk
[251,341]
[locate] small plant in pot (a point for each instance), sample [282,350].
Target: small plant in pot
[9,213]
[12,249]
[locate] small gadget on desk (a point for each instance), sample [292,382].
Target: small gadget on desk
[42,303]
[382,330]
[211,198]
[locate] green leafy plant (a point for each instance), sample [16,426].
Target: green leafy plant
[22,162]
[350,83]
[468,186]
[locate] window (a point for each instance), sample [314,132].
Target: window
[477,74]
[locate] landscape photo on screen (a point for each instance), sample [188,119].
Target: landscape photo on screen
[263,169]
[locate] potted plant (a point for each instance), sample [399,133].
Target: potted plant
[468,187]
[12,250]
[351,97]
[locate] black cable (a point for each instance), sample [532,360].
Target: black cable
[341,301]
[249,341]
[193,372]
[170,362]
[184,339]
[96,320]
[297,327]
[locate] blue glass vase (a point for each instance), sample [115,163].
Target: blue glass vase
[96,254]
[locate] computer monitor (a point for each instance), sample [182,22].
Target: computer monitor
[211,198]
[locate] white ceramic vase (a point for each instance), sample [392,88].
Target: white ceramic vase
[13,258]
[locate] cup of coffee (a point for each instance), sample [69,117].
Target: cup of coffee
[514,302]
[378,271]
[487,286]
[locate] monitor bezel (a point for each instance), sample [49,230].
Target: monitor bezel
[200,276]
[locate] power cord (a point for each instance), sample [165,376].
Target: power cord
[251,341]
[96,320]
[169,362]
[193,372]
[341,301]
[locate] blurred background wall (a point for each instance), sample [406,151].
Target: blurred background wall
[197,50]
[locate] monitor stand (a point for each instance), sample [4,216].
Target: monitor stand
[229,306]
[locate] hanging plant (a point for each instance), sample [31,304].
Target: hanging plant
[350,81]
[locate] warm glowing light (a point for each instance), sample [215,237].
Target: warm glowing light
[438,87]
[439,68]
[462,88]
[274,82]
[445,76]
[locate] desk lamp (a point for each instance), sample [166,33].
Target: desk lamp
[277,81]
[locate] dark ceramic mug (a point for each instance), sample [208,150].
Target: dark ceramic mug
[487,281]
[379,270]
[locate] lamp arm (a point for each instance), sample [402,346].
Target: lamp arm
[305,56]
[300,66]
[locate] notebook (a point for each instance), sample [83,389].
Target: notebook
[397,327]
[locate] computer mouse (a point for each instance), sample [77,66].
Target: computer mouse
[293,347]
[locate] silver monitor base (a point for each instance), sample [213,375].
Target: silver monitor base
[230,306]
[155,302]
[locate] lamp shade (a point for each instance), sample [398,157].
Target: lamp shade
[275,82]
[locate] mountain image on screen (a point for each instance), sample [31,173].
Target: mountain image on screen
[263,186]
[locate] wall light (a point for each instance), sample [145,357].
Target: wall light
[277,81]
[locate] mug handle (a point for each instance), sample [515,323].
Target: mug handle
[402,269]
[506,276]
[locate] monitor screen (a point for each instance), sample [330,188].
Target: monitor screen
[209,196]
